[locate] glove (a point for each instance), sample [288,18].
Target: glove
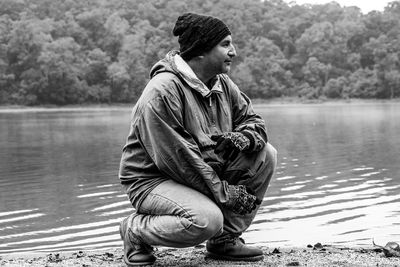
[231,143]
[240,201]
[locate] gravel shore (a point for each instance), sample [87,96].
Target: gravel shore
[316,255]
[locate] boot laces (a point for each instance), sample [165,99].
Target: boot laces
[147,248]
[234,239]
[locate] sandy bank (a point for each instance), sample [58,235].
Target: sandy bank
[307,256]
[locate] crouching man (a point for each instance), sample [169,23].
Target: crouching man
[197,161]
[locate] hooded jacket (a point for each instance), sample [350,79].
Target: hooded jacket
[171,126]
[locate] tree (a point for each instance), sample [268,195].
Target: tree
[263,73]
[334,87]
[116,28]
[317,42]
[12,8]
[362,84]
[60,62]
[96,76]
[133,59]
[386,57]
[25,45]
[6,77]
[93,22]
[316,75]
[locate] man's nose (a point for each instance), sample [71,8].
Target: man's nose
[232,51]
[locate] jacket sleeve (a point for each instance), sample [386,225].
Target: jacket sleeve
[173,150]
[245,119]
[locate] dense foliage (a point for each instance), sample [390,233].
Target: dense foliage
[100,51]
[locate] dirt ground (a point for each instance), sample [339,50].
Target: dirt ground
[316,255]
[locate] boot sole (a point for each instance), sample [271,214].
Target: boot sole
[230,258]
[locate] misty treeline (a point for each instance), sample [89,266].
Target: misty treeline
[100,51]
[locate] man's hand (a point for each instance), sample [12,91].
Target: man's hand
[241,201]
[230,143]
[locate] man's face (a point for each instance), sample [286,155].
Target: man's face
[219,59]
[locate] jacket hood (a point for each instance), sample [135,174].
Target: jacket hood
[174,63]
[165,65]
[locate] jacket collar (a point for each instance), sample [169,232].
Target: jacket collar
[186,72]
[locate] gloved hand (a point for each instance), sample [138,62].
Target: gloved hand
[241,201]
[231,143]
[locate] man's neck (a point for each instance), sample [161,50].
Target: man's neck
[200,71]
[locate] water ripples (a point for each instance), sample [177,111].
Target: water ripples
[302,210]
[348,207]
[101,212]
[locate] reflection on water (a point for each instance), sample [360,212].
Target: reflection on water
[337,180]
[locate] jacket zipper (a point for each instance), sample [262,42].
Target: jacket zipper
[211,111]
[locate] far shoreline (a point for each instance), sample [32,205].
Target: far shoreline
[275,102]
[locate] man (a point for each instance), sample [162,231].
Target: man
[197,161]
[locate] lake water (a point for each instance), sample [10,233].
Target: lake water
[337,180]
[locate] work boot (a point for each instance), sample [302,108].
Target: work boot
[136,252]
[232,248]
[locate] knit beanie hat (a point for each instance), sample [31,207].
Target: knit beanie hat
[198,34]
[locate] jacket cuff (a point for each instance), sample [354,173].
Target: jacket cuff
[256,142]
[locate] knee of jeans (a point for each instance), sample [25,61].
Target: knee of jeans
[207,224]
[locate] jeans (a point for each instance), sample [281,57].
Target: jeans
[174,215]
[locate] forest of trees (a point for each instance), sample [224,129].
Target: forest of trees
[100,51]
